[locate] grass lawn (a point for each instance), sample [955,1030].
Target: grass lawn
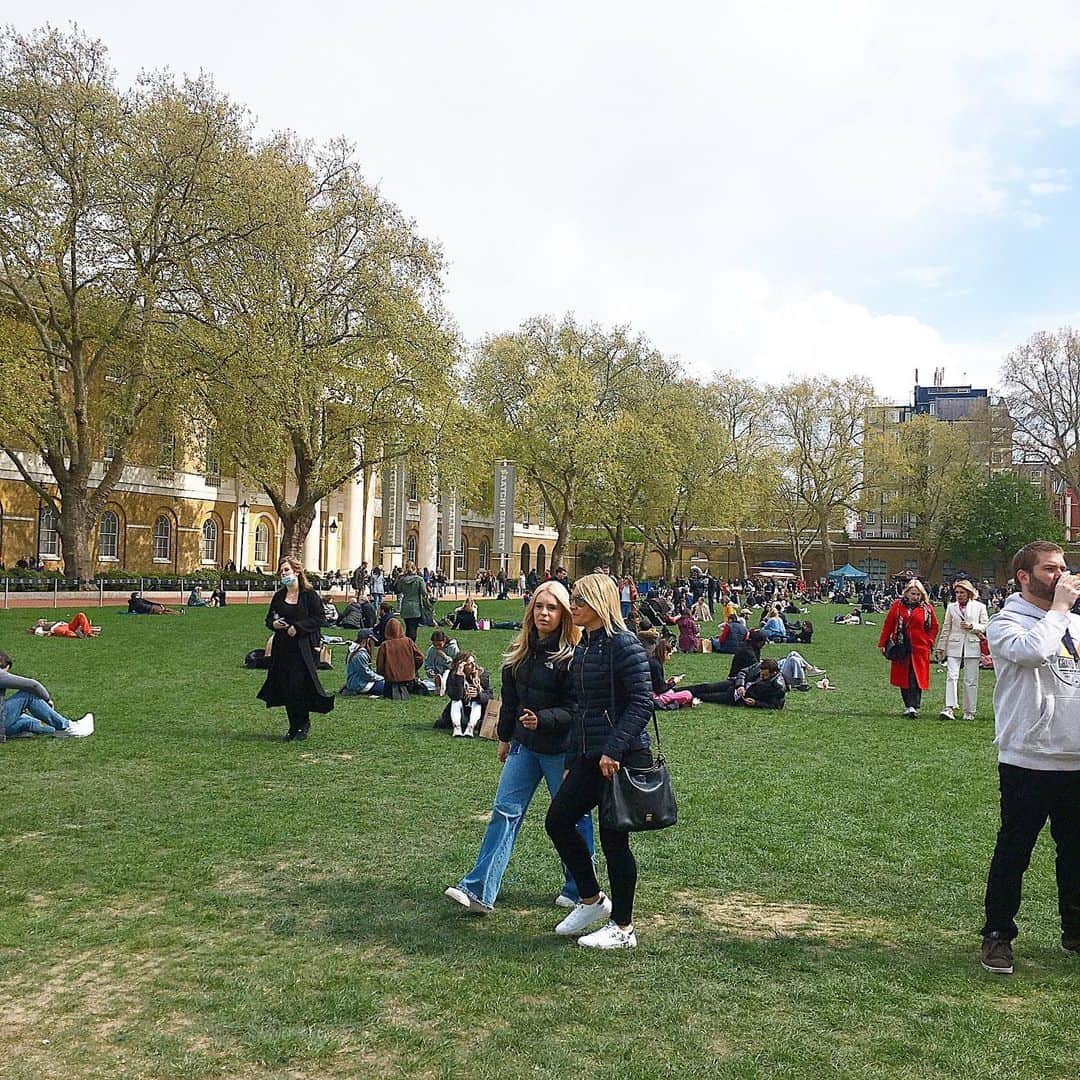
[182,895]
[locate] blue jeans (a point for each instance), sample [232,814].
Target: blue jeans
[24,711]
[626,607]
[521,776]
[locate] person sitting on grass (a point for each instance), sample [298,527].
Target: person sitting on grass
[439,658]
[852,618]
[465,616]
[700,610]
[79,627]
[666,694]
[196,598]
[774,627]
[731,635]
[330,611]
[469,690]
[30,711]
[761,688]
[748,653]
[360,676]
[398,661]
[139,605]
[386,616]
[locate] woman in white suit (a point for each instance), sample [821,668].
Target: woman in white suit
[962,631]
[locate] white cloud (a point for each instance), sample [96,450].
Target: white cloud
[927,277]
[1048,187]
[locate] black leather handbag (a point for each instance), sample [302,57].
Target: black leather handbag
[898,647]
[639,798]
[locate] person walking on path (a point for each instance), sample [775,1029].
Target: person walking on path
[1033,641]
[534,729]
[960,641]
[614,702]
[295,616]
[914,615]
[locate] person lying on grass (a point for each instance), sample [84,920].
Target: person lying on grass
[139,605]
[79,627]
[760,687]
[29,710]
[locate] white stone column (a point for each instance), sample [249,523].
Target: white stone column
[352,543]
[427,550]
[312,546]
[368,553]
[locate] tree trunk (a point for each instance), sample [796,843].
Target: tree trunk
[295,525]
[76,527]
[618,544]
[740,548]
[826,548]
[565,524]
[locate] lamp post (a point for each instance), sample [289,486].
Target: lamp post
[243,534]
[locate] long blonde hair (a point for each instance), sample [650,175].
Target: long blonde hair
[919,587]
[600,593]
[569,634]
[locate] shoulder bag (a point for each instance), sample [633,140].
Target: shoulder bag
[638,799]
[898,647]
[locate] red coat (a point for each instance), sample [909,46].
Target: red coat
[922,641]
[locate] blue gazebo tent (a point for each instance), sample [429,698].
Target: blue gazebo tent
[847,572]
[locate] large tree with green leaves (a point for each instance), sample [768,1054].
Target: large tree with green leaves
[556,392]
[104,198]
[323,345]
[1004,513]
[820,426]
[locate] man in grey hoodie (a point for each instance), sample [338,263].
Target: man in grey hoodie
[1034,644]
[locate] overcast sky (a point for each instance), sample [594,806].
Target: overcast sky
[763,187]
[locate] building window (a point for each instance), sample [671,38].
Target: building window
[162,539]
[209,541]
[108,434]
[109,536]
[262,544]
[410,548]
[541,559]
[166,455]
[484,549]
[525,555]
[911,564]
[213,465]
[871,517]
[48,534]
[542,519]
[414,493]
[459,555]
[526,517]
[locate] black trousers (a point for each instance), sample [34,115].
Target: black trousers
[1028,798]
[299,718]
[579,793]
[410,628]
[714,693]
[911,694]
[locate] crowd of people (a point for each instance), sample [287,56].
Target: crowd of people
[586,670]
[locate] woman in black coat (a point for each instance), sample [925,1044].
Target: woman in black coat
[295,616]
[614,703]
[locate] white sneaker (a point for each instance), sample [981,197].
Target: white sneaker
[969,716]
[609,936]
[79,729]
[947,714]
[695,702]
[583,916]
[459,896]
[458,733]
[911,712]
[470,731]
[564,901]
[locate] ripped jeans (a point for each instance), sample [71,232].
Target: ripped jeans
[521,776]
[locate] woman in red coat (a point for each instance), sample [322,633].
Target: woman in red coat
[914,610]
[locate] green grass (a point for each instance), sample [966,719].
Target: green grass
[184,896]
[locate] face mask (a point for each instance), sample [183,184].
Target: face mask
[288,580]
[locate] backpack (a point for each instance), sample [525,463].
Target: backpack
[257,658]
[352,618]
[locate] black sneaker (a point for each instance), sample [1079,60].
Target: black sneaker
[997,955]
[288,736]
[1071,942]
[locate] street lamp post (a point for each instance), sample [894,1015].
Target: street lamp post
[243,534]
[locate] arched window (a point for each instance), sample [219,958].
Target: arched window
[162,539]
[262,544]
[459,555]
[541,559]
[410,548]
[48,534]
[209,541]
[109,536]
[484,549]
[526,554]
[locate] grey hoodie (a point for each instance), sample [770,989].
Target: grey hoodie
[1037,697]
[17,682]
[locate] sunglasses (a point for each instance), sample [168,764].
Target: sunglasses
[577,600]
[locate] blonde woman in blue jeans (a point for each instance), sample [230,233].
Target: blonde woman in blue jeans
[534,728]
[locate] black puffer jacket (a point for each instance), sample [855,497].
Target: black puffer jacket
[540,684]
[602,726]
